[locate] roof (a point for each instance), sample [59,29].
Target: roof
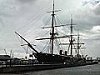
[4,57]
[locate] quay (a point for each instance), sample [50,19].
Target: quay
[38,67]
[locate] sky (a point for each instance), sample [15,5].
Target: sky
[28,16]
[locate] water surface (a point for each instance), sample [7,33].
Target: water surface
[82,70]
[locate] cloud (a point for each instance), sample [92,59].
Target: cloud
[95,29]
[97,9]
[28,16]
[26,1]
[92,2]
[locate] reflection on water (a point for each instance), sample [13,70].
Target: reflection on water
[83,70]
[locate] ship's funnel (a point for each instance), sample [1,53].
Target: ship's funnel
[65,52]
[60,52]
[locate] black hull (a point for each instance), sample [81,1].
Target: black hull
[51,58]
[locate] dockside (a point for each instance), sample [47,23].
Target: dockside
[39,67]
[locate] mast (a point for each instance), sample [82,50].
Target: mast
[52,30]
[78,47]
[71,40]
[79,44]
[71,32]
[52,33]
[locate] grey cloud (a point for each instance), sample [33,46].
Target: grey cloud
[97,10]
[93,2]
[26,1]
[25,17]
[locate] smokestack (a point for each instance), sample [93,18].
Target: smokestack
[60,52]
[65,52]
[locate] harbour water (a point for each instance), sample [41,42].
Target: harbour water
[82,70]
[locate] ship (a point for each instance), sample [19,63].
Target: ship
[51,60]
[62,57]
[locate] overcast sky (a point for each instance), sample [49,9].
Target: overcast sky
[28,16]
